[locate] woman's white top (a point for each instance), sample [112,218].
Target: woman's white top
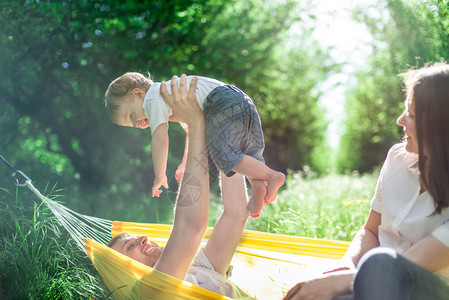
[406,214]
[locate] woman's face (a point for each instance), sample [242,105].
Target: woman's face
[408,122]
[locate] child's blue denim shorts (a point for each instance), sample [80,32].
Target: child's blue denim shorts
[233,128]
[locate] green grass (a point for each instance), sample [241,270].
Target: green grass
[38,260]
[331,207]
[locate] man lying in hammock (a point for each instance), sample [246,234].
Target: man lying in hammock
[180,257]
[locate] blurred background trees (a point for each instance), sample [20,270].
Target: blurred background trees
[58,57]
[406,34]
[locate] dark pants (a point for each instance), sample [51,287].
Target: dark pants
[385,275]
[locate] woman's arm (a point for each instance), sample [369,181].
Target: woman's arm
[365,239]
[429,253]
[326,287]
[338,282]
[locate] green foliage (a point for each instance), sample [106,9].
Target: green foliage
[37,260]
[59,57]
[294,124]
[406,34]
[370,129]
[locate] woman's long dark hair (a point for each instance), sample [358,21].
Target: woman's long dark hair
[428,88]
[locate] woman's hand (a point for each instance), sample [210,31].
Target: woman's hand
[292,292]
[184,105]
[326,287]
[316,289]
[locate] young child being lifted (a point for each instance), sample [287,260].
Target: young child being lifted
[234,133]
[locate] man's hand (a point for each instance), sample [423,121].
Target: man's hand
[158,182]
[184,105]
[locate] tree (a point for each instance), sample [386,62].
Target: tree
[413,33]
[247,46]
[59,57]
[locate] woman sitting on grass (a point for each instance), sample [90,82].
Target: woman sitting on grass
[402,251]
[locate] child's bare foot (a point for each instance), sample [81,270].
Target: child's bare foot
[274,182]
[256,202]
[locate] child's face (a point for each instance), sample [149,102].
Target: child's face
[131,113]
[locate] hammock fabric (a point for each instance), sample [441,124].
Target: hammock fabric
[129,279]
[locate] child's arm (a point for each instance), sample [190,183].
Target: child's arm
[180,171]
[159,151]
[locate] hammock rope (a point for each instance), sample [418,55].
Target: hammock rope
[79,226]
[129,279]
[14,172]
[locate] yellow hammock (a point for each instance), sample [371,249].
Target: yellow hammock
[266,265]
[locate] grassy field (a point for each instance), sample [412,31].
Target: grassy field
[38,260]
[331,207]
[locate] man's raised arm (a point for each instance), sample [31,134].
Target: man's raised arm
[192,204]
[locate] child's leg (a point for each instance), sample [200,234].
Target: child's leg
[227,232]
[258,173]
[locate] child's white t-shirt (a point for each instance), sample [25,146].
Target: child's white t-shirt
[158,111]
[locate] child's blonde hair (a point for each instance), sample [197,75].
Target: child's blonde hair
[118,88]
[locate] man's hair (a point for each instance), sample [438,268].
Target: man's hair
[120,87]
[116,238]
[428,88]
